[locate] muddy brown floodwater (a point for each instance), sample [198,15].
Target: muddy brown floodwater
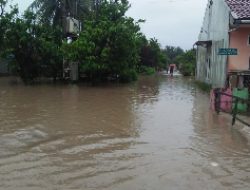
[155,134]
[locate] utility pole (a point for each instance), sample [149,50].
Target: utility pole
[71,28]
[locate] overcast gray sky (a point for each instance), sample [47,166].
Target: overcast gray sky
[172,22]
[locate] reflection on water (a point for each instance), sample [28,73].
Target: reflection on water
[152,134]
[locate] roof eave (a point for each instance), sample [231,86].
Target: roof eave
[242,21]
[203,43]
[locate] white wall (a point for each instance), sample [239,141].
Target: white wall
[215,28]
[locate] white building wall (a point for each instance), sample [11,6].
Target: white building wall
[200,68]
[215,28]
[203,36]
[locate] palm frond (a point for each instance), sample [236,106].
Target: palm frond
[54,10]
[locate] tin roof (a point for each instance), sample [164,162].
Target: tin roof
[240,8]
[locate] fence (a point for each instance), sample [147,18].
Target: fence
[236,102]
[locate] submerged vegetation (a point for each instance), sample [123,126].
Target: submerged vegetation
[110,44]
[203,86]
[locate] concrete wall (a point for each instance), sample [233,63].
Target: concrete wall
[215,28]
[239,40]
[201,66]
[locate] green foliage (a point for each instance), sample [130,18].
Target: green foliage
[2,6]
[108,45]
[52,11]
[171,54]
[128,75]
[36,48]
[6,19]
[147,70]
[187,62]
[151,56]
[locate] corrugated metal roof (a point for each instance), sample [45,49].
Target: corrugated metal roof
[240,8]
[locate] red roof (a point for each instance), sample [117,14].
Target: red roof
[240,8]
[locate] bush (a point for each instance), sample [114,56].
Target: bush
[128,76]
[147,70]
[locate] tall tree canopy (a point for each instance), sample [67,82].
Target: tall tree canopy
[54,11]
[110,45]
[152,56]
[6,22]
[187,62]
[107,47]
[34,48]
[2,6]
[172,52]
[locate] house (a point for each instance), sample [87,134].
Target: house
[223,46]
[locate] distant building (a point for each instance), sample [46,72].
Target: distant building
[225,31]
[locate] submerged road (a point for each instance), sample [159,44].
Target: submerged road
[155,134]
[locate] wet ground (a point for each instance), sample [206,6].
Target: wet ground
[157,133]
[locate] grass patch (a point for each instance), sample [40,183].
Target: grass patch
[203,86]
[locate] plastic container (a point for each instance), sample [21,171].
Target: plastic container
[241,93]
[225,101]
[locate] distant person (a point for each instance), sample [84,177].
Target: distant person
[171,69]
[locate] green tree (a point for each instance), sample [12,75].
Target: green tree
[54,11]
[3,22]
[108,45]
[159,58]
[187,62]
[2,6]
[171,53]
[6,20]
[35,47]
[151,56]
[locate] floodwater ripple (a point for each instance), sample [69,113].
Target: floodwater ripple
[152,134]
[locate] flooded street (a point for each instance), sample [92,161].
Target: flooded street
[155,134]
